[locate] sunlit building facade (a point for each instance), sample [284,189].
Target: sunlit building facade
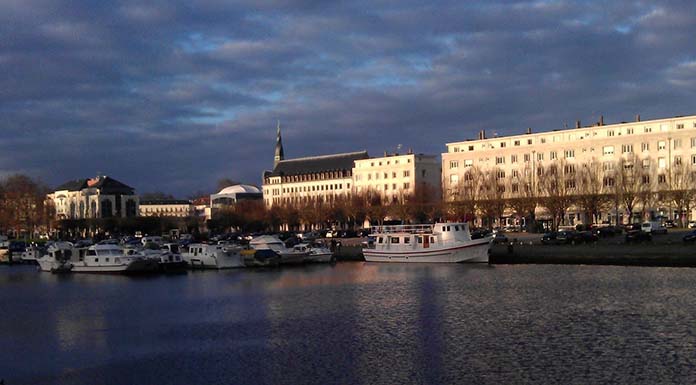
[663,149]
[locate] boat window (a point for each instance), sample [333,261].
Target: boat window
[419,239]
[117,260]
[91,253]
[106,259]
[394,239]
[456,228]
[96,259]
[432,239]
[380,240]
[407,240]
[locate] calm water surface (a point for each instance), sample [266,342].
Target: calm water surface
[352,323]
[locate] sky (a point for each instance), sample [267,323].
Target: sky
[172,96]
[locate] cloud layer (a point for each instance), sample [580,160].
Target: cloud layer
[172,96]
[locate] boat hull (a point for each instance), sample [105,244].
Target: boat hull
[475,252]
[215,262]
[135,267]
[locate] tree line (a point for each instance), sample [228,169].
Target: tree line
[633,186]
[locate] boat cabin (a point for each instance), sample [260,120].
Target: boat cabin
[411,237]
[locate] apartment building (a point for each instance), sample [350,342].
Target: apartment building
[397,175]
[659,146]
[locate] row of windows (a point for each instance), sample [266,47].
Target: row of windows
[406,174]
[570,154]
[327,187]
[611,132]
[388,162]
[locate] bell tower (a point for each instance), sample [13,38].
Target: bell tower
[278,148]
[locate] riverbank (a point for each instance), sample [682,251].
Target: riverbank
[665,250]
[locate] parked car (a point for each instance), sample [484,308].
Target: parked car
[690,237]
[588,237]
[568,237]
[479,233]
[638,236]
[500,238]
[606,231]
[692,224]
[669,224]
[550,238]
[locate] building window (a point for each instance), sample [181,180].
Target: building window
[517,143]
[471,148]
[453,164]
[570,184]
[645,179]
[543,140]
[502,144]
[677,160]
[454,178]
[693,160]
[661,145]
[513,158]
[386,175]
[407,173]
[608,150]
[608,182]
[662,179]
[645,147]
[468,162]
[393,186]
[500,174]
[540,156]
[393,174]
[526,157]
[515,187]
[553,155]
[529,142]
[676,143]
[629,131]
[408,185]
[386,187]
[608,166]
[569,153]
[646,163]
[569,169]
[661,163]
[626,148]
[515,173]
[680,126]
[499,160]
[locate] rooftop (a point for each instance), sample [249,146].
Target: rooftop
[316,164]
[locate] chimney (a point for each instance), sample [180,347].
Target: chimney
[482,134]
[385,153]
[410,151]
[601,120]
[577,124]
[529,130]
[637,117]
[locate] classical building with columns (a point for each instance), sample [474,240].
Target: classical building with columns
[99,197]
[659,155]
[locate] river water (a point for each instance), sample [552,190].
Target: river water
[352,323]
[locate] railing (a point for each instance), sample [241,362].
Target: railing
[411,229]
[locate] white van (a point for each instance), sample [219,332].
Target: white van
[653,227]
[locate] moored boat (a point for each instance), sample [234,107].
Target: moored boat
[203,256]
[441,243]
[287,255]
[57,258]
[109,258]
[316,253]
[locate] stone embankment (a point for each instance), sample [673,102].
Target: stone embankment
[663,250]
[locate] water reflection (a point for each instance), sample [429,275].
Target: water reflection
[356,323]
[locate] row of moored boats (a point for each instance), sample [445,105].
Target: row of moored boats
[170,257]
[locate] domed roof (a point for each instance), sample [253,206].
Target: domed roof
[240,188]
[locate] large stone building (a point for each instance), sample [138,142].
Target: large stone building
[327,177]
[656,155]
[100,197]
[397,175]
[167,208]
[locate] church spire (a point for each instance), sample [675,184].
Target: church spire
[278,148]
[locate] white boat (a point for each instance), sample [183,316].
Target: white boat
[110,259]
[167,256]
[57,258]
[316,253]
[203,256]
[287,255]
[441,242]
[30,255]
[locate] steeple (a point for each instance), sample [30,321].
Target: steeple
[278,148]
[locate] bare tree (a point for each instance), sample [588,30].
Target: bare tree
[592,197]
[491,202]
[467,190]
[628,174]
[523,197]
[683,189]
[557,191]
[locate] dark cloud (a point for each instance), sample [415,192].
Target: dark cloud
[172,95]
